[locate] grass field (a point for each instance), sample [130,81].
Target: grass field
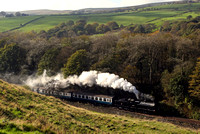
[183,7]
[123,18]
[165,13]
[9,23]
[22,111]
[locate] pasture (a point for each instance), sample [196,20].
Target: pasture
[163,13]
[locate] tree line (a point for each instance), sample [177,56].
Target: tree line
[16,14]
[81,27]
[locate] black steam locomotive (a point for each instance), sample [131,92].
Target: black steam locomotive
[127,101]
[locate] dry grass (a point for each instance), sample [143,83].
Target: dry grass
[34,113]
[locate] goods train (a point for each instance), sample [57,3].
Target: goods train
[128,103]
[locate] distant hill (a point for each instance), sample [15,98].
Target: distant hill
[46,12]
[103,10]
[22,111]
[118,9]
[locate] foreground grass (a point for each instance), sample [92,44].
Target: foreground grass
[22,111]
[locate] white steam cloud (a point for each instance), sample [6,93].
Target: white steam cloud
[89,78]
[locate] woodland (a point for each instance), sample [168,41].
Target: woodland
[162,61]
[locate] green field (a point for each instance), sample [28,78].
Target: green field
[121,18]
[22,111]
[163,13]
[183,7]
[9,23]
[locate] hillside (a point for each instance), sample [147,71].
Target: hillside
[45,12]
[24,111]
[143,15]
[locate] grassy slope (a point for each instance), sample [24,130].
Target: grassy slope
[24,111]
[165,12]
[125,18]
[9,23]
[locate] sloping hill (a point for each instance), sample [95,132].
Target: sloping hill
[22,110]
[143,15]
[46,12]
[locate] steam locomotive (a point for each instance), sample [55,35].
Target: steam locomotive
[123,102]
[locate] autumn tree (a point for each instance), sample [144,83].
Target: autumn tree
[131,73]
[194,83]
[111,63]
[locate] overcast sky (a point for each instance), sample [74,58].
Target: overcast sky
[20,5]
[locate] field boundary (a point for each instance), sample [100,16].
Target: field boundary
[23,25]
[167,17]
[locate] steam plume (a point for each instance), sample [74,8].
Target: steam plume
[89,78]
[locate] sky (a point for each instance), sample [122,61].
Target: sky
[21,5]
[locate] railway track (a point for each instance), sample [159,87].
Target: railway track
[183,122]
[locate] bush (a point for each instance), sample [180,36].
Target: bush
[196,115]
[167,110]
[29,128]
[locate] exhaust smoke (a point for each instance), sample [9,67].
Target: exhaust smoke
[86,78]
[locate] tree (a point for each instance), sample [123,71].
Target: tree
[89,29]
[48,62]
[113,25]
[77,63]
[178,86]
[79,26]
[131,73]
[95,25]
[149,51]
[175,83]
[63,55]
[166,26]
[70,23]
[9,15]
[111,63]
[194,83]
[3,13]
[102,28]
[18,14]
[11,58]
[139,29]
